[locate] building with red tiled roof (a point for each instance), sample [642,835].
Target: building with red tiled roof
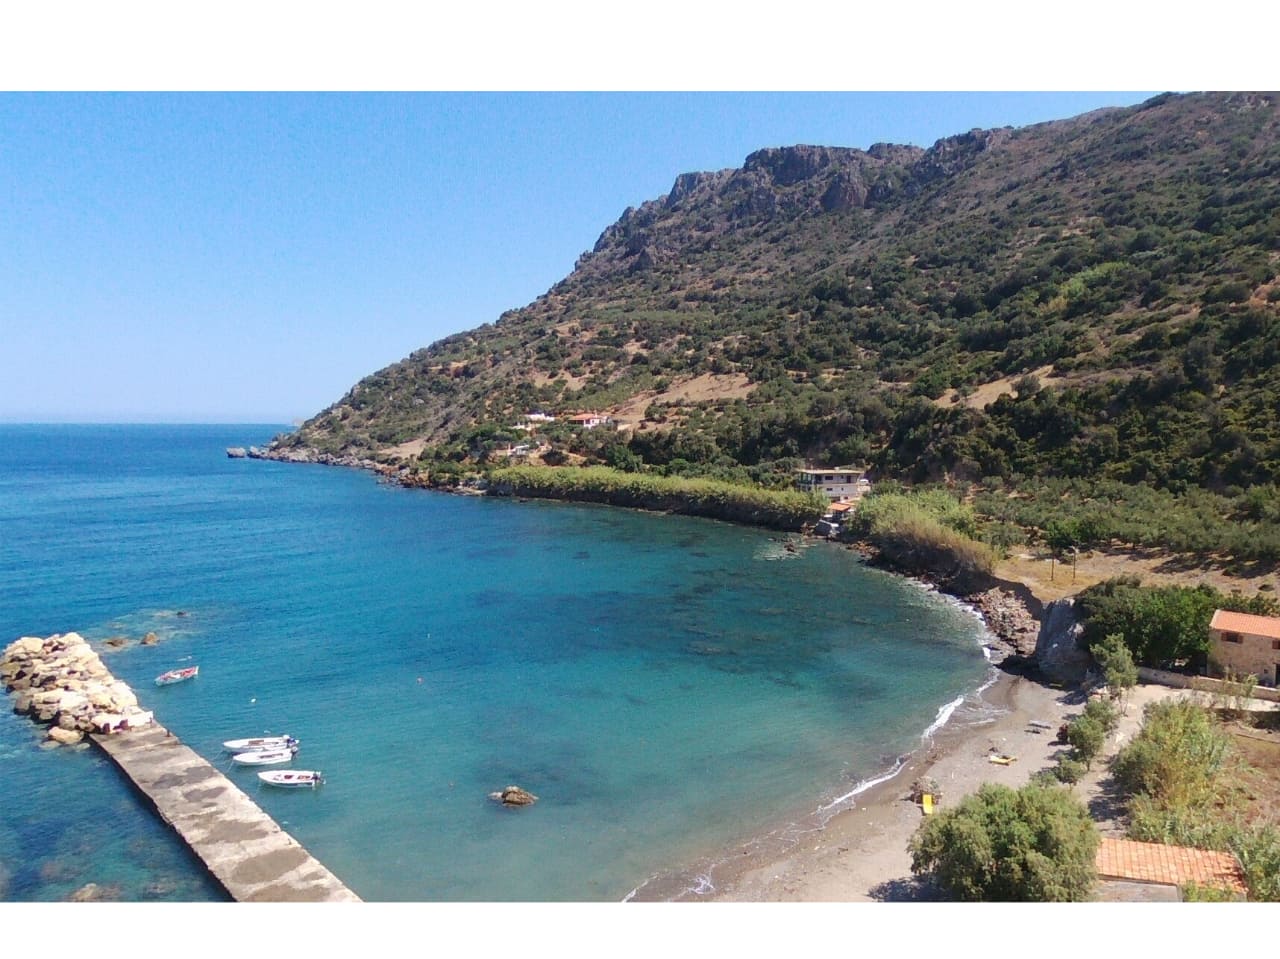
[1245,645]
[1152,862]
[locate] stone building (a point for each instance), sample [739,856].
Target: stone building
[1244,645]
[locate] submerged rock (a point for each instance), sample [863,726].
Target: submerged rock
[92,892]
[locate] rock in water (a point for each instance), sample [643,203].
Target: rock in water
[514,796]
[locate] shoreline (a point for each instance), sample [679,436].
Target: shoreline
[858,853]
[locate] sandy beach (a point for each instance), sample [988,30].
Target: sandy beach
[861,855]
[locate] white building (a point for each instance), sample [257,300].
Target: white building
[838,483]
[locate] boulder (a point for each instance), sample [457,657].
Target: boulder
[100,697]
[71,700]
[67,737]
[123,696]
[26,646]
[46,698]
[117,642]
[150,639]
[1060,652]
[514,796]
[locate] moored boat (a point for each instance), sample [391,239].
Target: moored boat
[259,744]
[292,778]
[265,757]
[177,676]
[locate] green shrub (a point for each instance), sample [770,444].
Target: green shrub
[1034,844]
[778,509]
[1086,737]
[1258,850]
[927,532]
[1069,770]
[1176,758]
[1160,625]
[1119,671]
[1103,713]
[1194,892]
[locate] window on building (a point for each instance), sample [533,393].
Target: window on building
[1232,638]
[1275,644]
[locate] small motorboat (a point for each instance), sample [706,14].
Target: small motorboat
[265,757]
[292,778]
[259,744]
[177,676]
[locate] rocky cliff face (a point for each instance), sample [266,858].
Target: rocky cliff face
[1060,651]
[774,183]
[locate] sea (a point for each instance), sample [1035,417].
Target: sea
[673,690]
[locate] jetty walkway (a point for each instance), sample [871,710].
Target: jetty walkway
[245,850]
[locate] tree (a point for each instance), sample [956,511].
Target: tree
[1034,844]
[1116,661]
[1060,536]
[1086,737]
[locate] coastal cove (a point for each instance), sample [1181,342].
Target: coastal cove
[668,686]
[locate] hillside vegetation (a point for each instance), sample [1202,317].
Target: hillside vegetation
[1088,304]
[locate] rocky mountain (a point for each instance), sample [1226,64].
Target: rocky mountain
[1094,297]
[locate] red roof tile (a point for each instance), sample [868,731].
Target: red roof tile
[1174,865]
[1231,622]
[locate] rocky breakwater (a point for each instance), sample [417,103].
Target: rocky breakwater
[61,681]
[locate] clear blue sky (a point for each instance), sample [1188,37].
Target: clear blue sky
[243,257]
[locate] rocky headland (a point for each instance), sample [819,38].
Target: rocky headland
[303,454]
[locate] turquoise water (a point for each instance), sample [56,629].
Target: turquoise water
[667,686]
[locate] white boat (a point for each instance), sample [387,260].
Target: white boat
[177,676]
[292,778]
[258,745]
[265,757]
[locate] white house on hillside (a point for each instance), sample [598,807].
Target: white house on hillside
[836,484]
[590,421]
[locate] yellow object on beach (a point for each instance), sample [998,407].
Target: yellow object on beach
[1002,759]
[926,801]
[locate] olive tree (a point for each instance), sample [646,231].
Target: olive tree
[1034,844]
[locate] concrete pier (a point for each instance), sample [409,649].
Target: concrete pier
[245,850]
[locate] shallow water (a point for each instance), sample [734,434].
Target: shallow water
[665,685]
